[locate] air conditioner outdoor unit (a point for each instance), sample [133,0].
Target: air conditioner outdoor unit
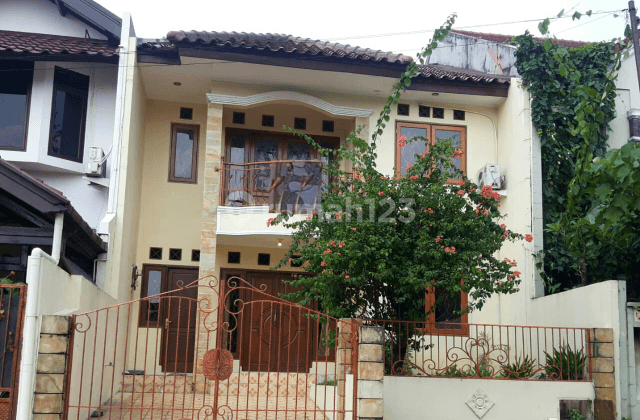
[96,164]
[490,175]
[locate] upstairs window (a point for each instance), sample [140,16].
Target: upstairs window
[432,133]
[15,90]
[183,163]
[68,114]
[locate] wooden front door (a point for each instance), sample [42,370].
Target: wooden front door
[276,336]
[180,311]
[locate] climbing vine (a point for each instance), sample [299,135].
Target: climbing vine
[573,101]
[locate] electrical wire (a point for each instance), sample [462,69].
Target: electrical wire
[144,65]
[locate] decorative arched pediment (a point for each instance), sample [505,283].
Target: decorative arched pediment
[286,95]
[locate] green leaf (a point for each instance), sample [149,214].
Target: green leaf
[562,69]
[548,44]
[576,15]
[588,13]
[543,26]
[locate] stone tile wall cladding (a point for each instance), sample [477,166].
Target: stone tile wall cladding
[602,366]
[51,368]
[211,199]
[370,372]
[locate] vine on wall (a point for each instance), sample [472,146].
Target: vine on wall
[573,100]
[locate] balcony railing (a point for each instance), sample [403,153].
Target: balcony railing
[292,186]
[486,351]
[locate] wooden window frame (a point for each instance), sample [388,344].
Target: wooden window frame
[431,132]
[431,324]
[143,322]
[144,289]
[282,139]
[83,124]
[23,148]
[194,159]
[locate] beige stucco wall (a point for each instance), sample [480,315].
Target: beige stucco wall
[494,134]
[171,212]
[404,398]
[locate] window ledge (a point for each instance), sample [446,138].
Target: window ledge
[103,182]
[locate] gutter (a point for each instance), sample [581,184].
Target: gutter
[127,32]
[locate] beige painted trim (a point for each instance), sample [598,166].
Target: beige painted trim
[286,95]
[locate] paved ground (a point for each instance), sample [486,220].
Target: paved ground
[145,406]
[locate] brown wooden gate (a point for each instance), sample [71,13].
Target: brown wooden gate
[256,356]
[12,304]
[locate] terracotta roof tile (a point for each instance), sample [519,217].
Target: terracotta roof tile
[508,39]
[452,73]
[44,44]
[286,43]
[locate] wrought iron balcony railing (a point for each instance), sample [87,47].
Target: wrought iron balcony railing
[292,186]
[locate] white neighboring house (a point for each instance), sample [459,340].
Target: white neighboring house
[58,96]
[62,73]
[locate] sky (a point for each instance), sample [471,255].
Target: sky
[374,24]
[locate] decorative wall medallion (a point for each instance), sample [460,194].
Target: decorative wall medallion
[480,403]
[217,364]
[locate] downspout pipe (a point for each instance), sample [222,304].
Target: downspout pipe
[31,332]
[56,246]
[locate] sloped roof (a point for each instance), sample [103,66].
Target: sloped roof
[48,201]
[93,14]
[24,43]
[286,43]
[301,47]
[452,73]
[507,39]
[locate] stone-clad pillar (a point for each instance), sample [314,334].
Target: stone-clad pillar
[210,203]
[53,363]
[370,373]
[603,368]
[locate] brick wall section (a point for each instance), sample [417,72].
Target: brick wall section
[205,337]
[51,368]
[370,372]
[603,370]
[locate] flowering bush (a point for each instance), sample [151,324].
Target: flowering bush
[379,242]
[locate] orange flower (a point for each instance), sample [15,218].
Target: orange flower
[381,193]
[460,192]
[347,276]
[413,177]
[516,273]
[528,237]
[323,263]
[402,141]
[353,229]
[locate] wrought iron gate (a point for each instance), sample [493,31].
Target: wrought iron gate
[211,350]
[12,303]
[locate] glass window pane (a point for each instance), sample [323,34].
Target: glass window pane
[14,92]
[236,174]
[266,150]
[299,151]
[184,148]
[154,287]
[68,114]
[13,118]
[445,309]
[454,137]
[408,153]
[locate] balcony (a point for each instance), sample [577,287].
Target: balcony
[292,186]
